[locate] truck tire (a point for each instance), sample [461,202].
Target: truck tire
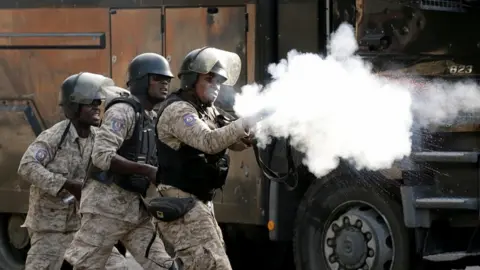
[14,242]
[349,223]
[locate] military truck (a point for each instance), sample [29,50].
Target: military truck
[274,213]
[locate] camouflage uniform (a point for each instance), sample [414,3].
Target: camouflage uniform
[51,223]
[110,213]
[196,237]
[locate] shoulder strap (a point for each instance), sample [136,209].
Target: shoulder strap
[62,139]
[137,107]
[172,98]
[139,117]
[135,104]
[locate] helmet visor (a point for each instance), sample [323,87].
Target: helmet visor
[88,88]
[207,58]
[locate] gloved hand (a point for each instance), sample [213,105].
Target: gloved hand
[252,120]
[248,141]
[137,183]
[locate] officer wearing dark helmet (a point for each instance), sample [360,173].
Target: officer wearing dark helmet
[192,141]
[123,167]
[56,164]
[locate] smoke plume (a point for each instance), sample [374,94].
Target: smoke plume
[334,107]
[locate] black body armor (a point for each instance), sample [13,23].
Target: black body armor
[190,169]
[141,147]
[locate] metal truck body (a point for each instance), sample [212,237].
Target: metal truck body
[44,41]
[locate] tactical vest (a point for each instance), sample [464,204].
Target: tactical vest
[141,147]
[190,169]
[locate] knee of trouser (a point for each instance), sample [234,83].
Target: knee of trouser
[41,245]
[88,246]
[42,261]
[116,261]
[87,256]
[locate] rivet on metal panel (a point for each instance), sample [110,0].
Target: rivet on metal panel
[169,58]
[114,59]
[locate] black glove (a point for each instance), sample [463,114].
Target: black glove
[135,183]
[140,184]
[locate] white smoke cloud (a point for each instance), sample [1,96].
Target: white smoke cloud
[440,102]
[335,107]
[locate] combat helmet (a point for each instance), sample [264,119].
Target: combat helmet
[209,60]
[81,88]
[143,65]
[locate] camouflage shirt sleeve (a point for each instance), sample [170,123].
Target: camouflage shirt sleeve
[182,121]
[117,126]
[33,164]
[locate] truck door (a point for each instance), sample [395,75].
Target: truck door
[133,31]
[39,48]
[226,28]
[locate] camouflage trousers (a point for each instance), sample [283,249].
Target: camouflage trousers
[98,234]
[48,248]
[196,237]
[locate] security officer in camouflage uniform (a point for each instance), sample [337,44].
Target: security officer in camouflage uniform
[192,142]
[55,164]
[124,166]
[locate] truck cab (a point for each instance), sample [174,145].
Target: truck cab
[423,212]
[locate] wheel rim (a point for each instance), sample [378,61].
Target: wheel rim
[358,239]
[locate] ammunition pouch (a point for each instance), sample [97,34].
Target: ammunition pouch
[169,209]
[134,183]
[221,167]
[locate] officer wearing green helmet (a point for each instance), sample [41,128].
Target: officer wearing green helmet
[192,141]
[55,164]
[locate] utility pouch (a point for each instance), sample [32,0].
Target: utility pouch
[169,209]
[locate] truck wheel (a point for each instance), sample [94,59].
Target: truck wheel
[351,224]
[14,242]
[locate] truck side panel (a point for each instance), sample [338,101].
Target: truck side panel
[37,52]
[133,31]
[40,47]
